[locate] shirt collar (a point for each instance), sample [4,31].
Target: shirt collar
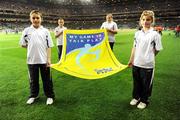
[37,28]
[61,27]
[109,22]
[151,29]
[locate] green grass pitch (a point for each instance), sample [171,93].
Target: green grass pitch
[79,99]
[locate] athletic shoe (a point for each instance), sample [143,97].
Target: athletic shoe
[30,101]
[141,105]
[134,101]
[49,101]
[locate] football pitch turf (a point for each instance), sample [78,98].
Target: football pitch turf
[78,99]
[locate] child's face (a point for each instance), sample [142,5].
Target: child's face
[109,18]
[35,20]
[146,21]
[61,22]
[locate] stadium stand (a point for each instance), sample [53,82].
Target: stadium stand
[87,15]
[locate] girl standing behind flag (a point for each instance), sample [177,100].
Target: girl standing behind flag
[111,28]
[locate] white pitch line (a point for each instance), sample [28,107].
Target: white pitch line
[9,48]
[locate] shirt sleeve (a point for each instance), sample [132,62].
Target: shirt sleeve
[49,40]
[135,40]
[102,26]
[56,31]
[23,39]
[115,26]
[158,44]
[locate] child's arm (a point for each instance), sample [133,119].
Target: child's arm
[112,31]
[58,34]
[156,52]
[24,46]
[158,45]
[130,63]
[49,46]
[48,57]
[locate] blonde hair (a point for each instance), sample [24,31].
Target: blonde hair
[109,14]
[147,13]
[60,19]
[35,12]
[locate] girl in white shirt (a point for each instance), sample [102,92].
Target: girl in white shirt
[111,28]
[147,43]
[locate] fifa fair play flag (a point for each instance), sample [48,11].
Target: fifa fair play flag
[87,54]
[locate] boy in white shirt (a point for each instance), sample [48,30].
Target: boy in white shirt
[38,42]
[111,28]
[59,36]
[147,44]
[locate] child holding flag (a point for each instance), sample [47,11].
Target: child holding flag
[147,44]
[59,36]
[111,28]
[38,42]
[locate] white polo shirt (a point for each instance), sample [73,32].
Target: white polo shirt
[58,30]
[145,43]
[113,26]
[38,40]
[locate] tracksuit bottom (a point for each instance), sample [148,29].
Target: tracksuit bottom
[142,83]
[59,51]
[111,45]
[46,80]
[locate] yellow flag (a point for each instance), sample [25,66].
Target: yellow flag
[87,54]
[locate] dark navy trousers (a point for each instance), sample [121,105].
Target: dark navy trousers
[142,83]
[34,70]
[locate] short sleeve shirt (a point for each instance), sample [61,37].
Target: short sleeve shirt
[60,38]
[113,26]
[145,43]
[37,41]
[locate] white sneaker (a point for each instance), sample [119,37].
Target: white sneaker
[49,101]
[30,101]
[134,101]
[141,105]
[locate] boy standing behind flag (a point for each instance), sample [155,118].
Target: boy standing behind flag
[147,44]
[38,42]
[59,36]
